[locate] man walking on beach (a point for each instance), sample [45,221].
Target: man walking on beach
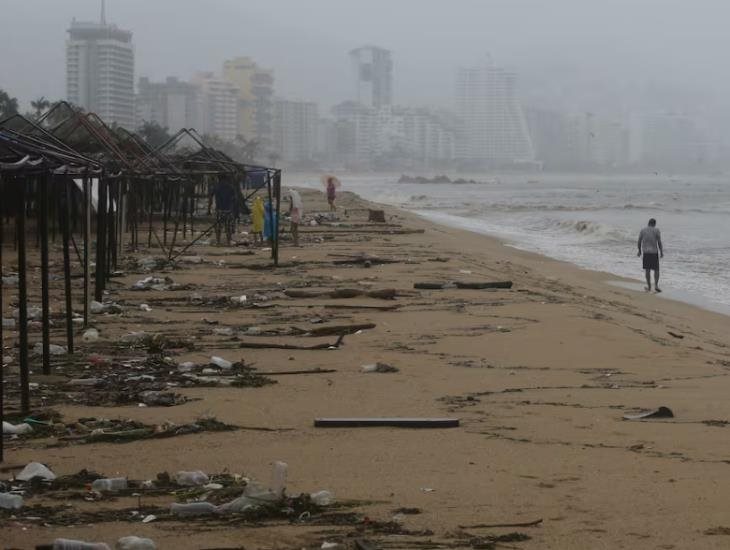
[650,243]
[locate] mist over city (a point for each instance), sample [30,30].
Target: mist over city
[569,85]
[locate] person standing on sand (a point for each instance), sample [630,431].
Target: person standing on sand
[650,244]
[296,213]
[257,221]
[331,192]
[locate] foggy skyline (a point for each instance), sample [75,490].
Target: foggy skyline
[575,54]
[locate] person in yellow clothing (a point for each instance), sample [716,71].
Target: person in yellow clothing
[257,220]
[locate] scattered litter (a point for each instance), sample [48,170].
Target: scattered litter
[69,544]
[109,484]
[379,367]
[278,478]
[153,283]
[322,498]
[18,429]
[145,307]
[10,502]
[191,479]
[90,335]
[10,281]
[427,490]
[35,469]
[220,362]
[675,335]
[8,323]
[53,349]
[329,545]
[149,518]
[223,331]
[135,543]
[661,412]
[98,307]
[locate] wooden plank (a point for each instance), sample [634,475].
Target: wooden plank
[389,422]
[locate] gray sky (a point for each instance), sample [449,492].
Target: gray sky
[576,54]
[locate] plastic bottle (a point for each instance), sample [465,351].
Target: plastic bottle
[220,362]
[69,544]
[241,504]
[322,498]
[10,502]
[193,509]
[91,335]
[191,479]
[278,478]
[109,484]
[135,543]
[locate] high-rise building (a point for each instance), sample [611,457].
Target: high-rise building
[255,103]
[295,130]
[219,100]
[100,70]
[493,131]
[373,76]
[173,104]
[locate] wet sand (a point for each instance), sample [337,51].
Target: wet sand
[539,375]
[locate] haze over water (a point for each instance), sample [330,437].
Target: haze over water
[590,221]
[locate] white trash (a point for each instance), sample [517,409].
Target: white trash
[35,469]
[145,307]
[135,543]
[191,479]
[220,362]
[223,331]
[10,502]
[109,484]
[241,504]
[187,366]
[18,429]
[278,478]
[322,498]
[8,323]
[90,335]
[69,544]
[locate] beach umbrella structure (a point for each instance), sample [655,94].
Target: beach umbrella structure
[72,175]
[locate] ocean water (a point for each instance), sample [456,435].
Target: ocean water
[590,221]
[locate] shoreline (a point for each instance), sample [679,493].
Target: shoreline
[630,284]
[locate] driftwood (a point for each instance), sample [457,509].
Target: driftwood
[366,260]
[261,345]
[390,422]
[496,525]
[480,286]
[459,284]
[333,330]
[383,294]
[283,372]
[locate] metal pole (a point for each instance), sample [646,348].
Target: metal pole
[101,215]
[22,302]
[64,213]
[271,214]
[87,244]
[277,195]
[2,375]
[43,229]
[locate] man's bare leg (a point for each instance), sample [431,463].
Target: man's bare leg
[656,280]
[648,280]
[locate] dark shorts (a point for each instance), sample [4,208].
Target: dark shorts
[651,261]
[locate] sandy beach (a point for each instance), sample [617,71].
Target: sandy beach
[539,375]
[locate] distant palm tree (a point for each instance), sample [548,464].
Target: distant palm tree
[40,106]
[8,105]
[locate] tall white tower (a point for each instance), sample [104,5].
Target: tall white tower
[493,126]
[100,70]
